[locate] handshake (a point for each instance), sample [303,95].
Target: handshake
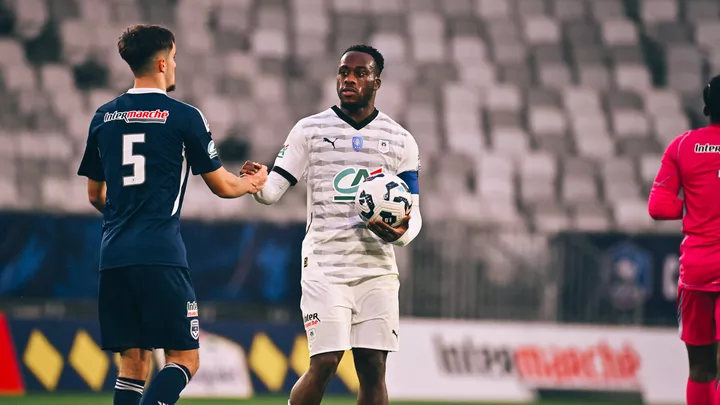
[255,174]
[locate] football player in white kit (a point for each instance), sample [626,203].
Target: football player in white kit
[349,275]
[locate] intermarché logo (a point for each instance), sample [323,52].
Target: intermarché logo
[542,365]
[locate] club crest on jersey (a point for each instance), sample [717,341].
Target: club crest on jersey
[138,116]
[212,150]
[357,143]
[195,329]
[383,146]
[347,181]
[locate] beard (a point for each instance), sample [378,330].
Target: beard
[170,88]
[359,104]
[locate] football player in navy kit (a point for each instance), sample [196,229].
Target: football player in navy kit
[140,149]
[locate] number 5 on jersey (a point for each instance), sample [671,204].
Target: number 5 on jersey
[137,161]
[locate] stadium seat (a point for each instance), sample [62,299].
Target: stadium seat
[492,8]
[629,124]
[8,194]
[12,53]
[618,177]
[537,174]
[593,75]
[465,132]
[707,34]
[541,30]
[670,126]
[467,50]
[697,11]
[550,218]
[607,10]
[579,184]
[457,97]
[658,10]
[590,217]
[594,144]
[509,141]
[578,99]
[509,52]
[504,29]
[660,103]
[619,32]
[631,214]
[270,42]
[547,121]
[502,98]
[18,78]
[633,78]
[531,8]
[30,17]
[569,10]
[649,166]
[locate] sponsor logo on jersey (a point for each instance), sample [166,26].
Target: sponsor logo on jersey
[192,309]
[346,182]
[138,116]
[284,149]
[330,142]
[195,329]
[707,148]
[311,320]
[383,146]
[212,150]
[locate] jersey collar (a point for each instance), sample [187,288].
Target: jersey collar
[145,90]
[357,125]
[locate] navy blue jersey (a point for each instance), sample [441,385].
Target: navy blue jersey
[142,145]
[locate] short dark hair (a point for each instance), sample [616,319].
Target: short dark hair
[139,44]
[376,55]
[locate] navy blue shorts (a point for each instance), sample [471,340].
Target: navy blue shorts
[147,307]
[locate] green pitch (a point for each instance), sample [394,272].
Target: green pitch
[264,400]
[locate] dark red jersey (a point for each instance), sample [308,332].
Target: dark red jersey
[691,163]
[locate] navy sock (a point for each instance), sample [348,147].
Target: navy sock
[128,391]
[167,385]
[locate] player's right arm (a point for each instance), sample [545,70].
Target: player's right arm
[290,165]
[203,159]
[664,203]
[91,167]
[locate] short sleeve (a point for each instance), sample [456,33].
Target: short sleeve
[292,160]
[409,167]
[410,161]
[91,164]
[199,146]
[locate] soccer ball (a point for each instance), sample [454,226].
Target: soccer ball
[383,197]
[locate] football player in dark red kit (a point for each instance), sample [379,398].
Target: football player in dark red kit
[691,163]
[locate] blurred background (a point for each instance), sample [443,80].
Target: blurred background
[540,123]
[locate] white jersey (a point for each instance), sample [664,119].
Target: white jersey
[335,154]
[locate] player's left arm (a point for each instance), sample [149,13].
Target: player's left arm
[409,172]
[91,167]
[97,194]
[664,202]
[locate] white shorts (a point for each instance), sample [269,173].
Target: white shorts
[339,317]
